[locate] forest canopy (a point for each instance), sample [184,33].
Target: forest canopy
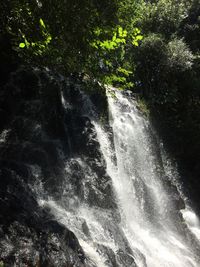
[82,36]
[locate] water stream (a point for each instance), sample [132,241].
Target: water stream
[152,224]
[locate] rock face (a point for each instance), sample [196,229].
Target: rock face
[43,123]
[28,234]
[57,205]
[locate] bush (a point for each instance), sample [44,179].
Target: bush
[163,16]
[150,60]
[180,58]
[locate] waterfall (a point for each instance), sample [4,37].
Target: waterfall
[148,218]
[150,223]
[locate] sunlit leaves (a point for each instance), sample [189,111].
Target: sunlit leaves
[22,45]
[118,37]
[122,33]
[111,50]
[136,37]
[42,23]
[124,71]
[38,47]
[110,79]
[85,38]
[97,31]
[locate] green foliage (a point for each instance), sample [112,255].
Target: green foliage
[180,58]
[158,63]
[125,72]
[42,24]
[41,46]
[167,67]
[22,45]
[136,36]
[117,39]
[75,36]
[190,26]
[55,33]
[111,49]
[163,16]
[128,13]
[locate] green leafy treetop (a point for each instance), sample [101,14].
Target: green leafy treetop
[72,36]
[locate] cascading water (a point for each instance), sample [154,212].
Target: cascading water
[144,227]
[149,218]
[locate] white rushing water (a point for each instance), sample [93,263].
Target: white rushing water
[147,220]
[150,222]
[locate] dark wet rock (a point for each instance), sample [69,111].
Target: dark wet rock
[86,229]
[121,258]
[125,259]
[175,196]
[54,246]
[108,255]
[28,235]
[45,146]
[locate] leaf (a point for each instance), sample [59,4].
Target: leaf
[139,37]
[26,42]
[120,32]
[48,39]
[108,63]
[114,37]
[97,31]
[136,31]
[22,45]
[124,71]
[135,43]
[94,44]
[42,23]
[125,33]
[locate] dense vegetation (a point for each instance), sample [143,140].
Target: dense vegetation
[85,37]
[167,75]
[152,47]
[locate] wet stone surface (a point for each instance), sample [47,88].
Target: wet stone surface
[44,128]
